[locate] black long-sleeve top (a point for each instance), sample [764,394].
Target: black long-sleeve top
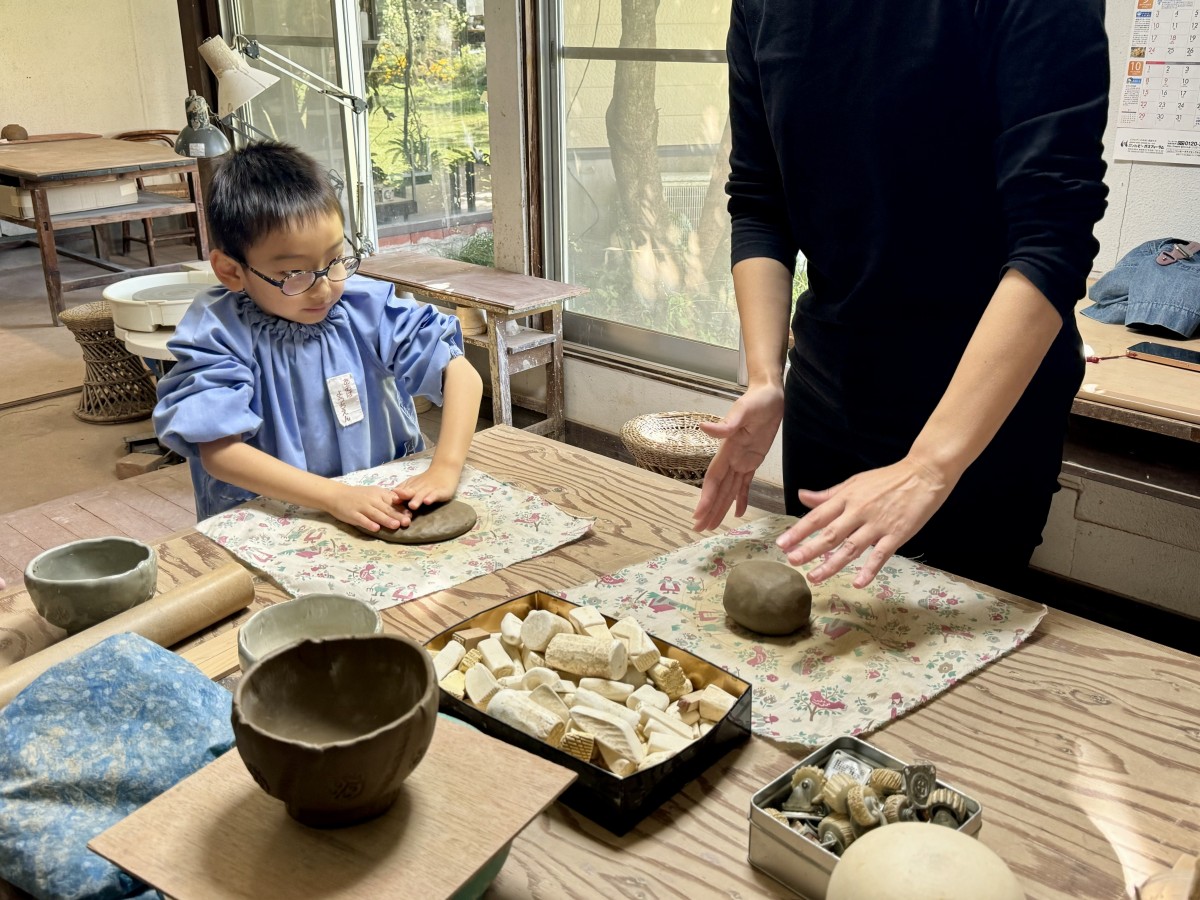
[914,151]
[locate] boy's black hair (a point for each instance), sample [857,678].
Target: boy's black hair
[263,188]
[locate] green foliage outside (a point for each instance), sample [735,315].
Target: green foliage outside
[421,67]
[479,248]
[442,88]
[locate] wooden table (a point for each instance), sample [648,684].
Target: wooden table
[1135,392]
[1083,745]
[42,165]
[505,297]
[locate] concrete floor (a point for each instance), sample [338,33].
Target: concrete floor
[47,453]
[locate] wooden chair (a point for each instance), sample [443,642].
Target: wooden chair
[177,187]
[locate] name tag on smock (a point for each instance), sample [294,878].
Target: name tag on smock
[343,393]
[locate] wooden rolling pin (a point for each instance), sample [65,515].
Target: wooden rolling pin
[23,634]
[166,619]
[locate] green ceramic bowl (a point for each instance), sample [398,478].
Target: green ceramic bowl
[82,583]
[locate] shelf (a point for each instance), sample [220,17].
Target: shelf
[148,206]
[524,339]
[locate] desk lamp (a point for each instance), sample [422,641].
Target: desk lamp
[238,84]
[201,138]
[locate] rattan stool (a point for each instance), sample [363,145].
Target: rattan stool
[671,443]
[117,387]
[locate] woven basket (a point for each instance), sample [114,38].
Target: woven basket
[672,444]
[117,387]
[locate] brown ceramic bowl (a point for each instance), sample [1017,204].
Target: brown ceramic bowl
[332,726]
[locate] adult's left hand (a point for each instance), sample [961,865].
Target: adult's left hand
[880,508]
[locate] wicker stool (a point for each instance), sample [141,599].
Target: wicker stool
[116,386]
[672,443]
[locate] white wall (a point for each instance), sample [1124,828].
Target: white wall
[99,66]
[1146,200]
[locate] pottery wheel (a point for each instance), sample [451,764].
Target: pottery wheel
[431,524]
[178,291]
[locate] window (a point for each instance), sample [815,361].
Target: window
[421,65]
[426,78]
[636,158]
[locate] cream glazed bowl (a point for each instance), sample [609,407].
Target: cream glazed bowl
[82,583]
[308,616]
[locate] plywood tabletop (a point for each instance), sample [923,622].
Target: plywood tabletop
[216,834]
[61,160]
[467,284]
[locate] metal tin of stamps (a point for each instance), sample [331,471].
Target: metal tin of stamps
[617,804]
[801,864]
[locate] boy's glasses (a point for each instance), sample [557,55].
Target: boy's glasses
[298,282]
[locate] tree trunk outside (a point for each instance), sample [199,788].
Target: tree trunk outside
[646,232]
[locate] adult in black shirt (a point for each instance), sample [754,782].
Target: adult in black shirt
[939,165]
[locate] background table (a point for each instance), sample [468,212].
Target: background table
[39,166]
[1083,745]
[505,297]
[1135,392]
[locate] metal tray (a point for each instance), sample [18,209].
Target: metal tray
[795,861]
[617,804]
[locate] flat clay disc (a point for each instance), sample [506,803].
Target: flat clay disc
[431,524]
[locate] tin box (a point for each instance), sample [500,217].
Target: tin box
[802,864]
[617,804]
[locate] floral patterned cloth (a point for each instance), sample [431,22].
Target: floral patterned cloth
[310,552]
[871,654]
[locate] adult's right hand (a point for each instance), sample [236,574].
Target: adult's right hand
[746,434]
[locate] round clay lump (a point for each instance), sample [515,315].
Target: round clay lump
[768,597]
[431,524]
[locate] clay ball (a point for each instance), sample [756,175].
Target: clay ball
[13,133]
[920,861]
[768,597]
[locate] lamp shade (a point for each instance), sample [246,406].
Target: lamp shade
[200,138]
[238,84]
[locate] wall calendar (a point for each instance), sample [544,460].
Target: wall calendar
[1159,114]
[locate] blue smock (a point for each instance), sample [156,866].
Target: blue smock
[242,371]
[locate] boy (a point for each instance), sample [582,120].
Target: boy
[295,371]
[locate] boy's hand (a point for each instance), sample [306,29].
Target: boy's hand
[435,484]
[366,506]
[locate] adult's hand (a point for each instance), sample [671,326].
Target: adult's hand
[746,435]
[880,508]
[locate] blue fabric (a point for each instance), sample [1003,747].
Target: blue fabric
[242,371]
[87,743]
[1138,291]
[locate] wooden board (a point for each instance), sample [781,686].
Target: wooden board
[466,284]
[217,834]
[59,160]
[216,658]
[63,136]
